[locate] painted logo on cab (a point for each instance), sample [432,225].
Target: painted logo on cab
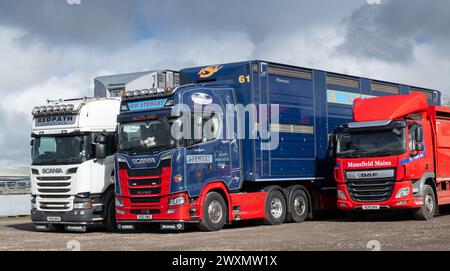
[369,164]
[209,71]
[201,98]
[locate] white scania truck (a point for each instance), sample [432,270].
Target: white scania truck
[72,171]
[73,146]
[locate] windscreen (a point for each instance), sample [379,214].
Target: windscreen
[145,135]
[371,143]
[56,150]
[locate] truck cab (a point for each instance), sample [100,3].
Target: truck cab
[386,157]
[72,170]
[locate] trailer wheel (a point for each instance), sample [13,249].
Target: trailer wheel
[299,206]
[275,208]
[214,213]
[427,211]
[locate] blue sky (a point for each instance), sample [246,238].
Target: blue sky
[50,49]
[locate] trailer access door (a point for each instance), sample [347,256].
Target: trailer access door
[442,147]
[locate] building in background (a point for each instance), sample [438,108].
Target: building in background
[115,85]
[14,191]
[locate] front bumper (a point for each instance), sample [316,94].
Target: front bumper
[408,202]
[74,217]
[158,212]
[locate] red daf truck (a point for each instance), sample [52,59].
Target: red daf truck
[395,155]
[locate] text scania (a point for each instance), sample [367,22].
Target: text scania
[139,161]
[369,164]
[52,171]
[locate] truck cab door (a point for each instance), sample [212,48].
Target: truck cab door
[217,159]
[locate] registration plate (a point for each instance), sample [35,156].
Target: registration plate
[54,218]
[371,207]
[144,217]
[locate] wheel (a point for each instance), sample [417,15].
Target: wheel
[110,214]
[275,208]
[299,206]
[355,215]
[214,213]
[428,209]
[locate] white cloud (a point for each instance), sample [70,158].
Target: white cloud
[31,72]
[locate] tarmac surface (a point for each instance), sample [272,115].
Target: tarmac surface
[392,231]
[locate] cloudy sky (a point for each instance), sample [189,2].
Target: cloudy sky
[50,49]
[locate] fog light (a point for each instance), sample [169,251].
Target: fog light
[120,212]
[171,211]
[83,205]
[341,195]
[176,201]
[404,192]
[401,203]
[119,202]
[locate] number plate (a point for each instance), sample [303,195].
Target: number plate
[371,207]
[144,217]
[54,218]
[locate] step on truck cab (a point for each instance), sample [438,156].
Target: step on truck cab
[72,170]
[394,155]
[272,165]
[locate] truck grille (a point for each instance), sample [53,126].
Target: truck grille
[54,193]
[370,190]
[144,182]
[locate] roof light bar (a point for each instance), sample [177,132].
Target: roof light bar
[147,93]
[53,110]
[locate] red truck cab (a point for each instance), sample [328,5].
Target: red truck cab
[395,155]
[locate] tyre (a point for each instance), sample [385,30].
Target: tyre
[275,208]
[428,210]
[214,213]
[110,214]
[299,206]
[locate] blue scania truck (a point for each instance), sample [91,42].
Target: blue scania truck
[279,169]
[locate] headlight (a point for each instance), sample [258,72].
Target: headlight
[404,192]
[119,202]
[176,201]
[33,205]
[341,195]
[84,205]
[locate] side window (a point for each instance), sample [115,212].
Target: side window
[205,129]
[411,136]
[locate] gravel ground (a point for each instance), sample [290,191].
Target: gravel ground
[393,231]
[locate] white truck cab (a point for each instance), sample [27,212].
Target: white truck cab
[72,171]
